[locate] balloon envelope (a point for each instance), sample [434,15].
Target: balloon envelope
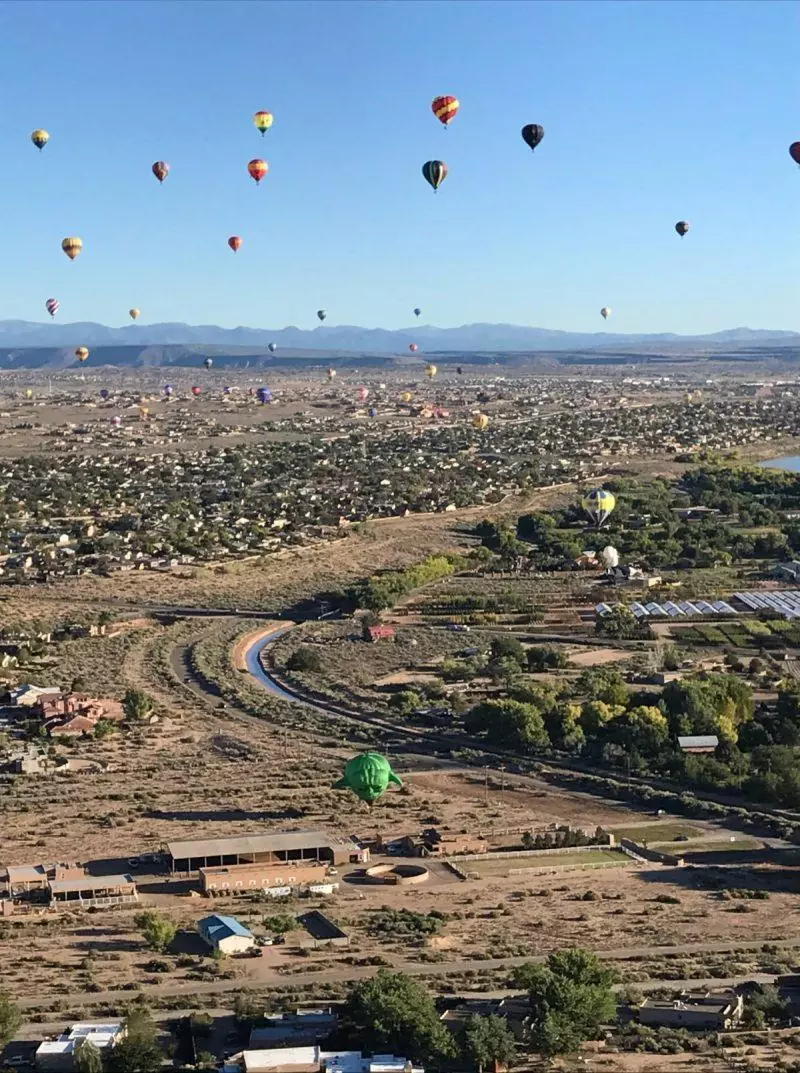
[532,134]
[82,353]
[605,312]
[272,347]
[263,121]
[51,305]
[40,138]
[610,557]
[72,247]
[368,775]
[794,152]
[133,313]
[258,169]
[417,312]
[682,227]
[598,504]
[235,243]
[161,170]
[434,172]
[445,108]
[321,314]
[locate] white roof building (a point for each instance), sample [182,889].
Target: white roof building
[58,1054]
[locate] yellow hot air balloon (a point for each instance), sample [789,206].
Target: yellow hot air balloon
[40,138]
[598,504]
[82,353]
[431,371]
[134,313]
[72,247]
[143,413]
[480,421]
[263,121]
[406,397]
[28,393]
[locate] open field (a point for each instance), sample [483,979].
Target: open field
[517,866]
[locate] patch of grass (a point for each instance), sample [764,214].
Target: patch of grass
[505,865]
[656,832]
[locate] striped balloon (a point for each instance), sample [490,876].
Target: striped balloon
[434,172]
[445,109]
[51,305]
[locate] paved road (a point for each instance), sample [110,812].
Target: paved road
[261,974]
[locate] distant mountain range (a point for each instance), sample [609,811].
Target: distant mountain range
[27,344]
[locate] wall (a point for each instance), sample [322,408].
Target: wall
[241,878]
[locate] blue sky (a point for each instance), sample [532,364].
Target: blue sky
[654,112]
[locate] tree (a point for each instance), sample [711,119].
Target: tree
[571,998]
[10,1019]
[137,705]
[619,622]
[488,1040]
[78,685]
[158,932]
[395,1013]
[138,1051]
[304,658]
[280,923]
[507,646]
[509,723]
[88,1058]
[544,658]
[605,684]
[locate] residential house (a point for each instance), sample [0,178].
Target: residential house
[28,695]
[74,714]
[313,1060]
[709,1010]
[225,934]
[58,1055]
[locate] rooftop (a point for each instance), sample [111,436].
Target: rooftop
[217,926]
[60,886]
[273,843]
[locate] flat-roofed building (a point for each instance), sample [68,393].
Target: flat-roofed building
[241,878]
[59,1054]
[698,743]
[283,847]
[21,881]
[720,1010]
[93,891]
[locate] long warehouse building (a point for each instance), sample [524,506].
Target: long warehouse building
[282,847]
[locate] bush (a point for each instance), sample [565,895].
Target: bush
[304,659]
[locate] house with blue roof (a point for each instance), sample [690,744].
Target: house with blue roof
[225,934]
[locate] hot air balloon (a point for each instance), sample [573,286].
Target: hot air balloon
[40,138]
[362,394]
[235,243]
[72,247]
[196,390]
[82,353]
[598,504]
[134,313]
[445,109]
[431,371]
[104,394]
[263,121]
[406,397]
[116,420]
[321,314]
[605,312]
[610,557]
[434,172]
[258,169]
[794,152]
[532,134]
[272,347]
[144,413]
[368,775]
[413,347]
[682,228]
[373,412]
[161,170]
[264,395]
[208,362]
[331,374]
[417,312]
[459,370]
[168,389]
[28,393]
[480,421]
[51,305]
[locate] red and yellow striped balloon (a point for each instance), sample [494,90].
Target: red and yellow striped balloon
[445,109]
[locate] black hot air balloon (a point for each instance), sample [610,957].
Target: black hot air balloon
[682,227]
[794,152]
[434,172]
[532,134]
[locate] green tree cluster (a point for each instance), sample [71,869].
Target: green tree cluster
[158,932]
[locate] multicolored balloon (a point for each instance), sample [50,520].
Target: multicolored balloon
[598,504]
[331,374]
[160,170]
[532,134]
[373,412]
[431,371]
[235,243]
[208,362]
[258,169]
[197,390]
[682,227]
[362,394]
[168,389]
[480,422]
[264,395]
[445,109]
[134,313]
[82,354]
[72,247]
[263,121]
[116,420]
[52,306]
[40,138]
[434,172]
[413,347]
